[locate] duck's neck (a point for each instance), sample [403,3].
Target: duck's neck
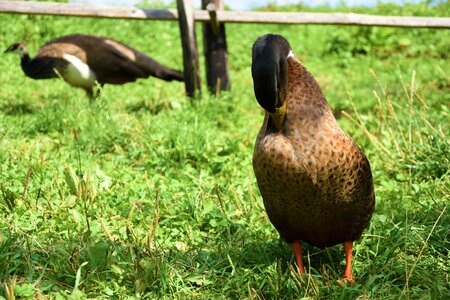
[309,99]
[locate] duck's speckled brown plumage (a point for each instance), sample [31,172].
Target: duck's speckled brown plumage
[315,181]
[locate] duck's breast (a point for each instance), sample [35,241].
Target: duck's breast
[317,188]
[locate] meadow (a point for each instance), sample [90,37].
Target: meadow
[148,194]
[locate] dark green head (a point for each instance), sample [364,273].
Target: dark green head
[269,72]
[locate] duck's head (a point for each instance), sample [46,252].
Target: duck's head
[270,72]
[18,48]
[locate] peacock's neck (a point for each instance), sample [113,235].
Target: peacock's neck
[25,63]
[39,68]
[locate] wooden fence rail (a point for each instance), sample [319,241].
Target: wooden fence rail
[214,17]
[103,11]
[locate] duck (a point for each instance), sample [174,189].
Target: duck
[316,183]
[84,60]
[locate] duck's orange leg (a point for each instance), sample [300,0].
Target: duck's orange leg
[348,246]
[297,246]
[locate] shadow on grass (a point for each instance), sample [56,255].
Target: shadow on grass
[152,108]
[259,255]
[15,109]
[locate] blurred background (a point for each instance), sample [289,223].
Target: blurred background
[253,4]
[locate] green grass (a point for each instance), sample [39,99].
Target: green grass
[147,194]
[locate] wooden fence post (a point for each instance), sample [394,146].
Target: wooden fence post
[189,44]
[215,47]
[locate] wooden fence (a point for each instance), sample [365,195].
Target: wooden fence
[213,17]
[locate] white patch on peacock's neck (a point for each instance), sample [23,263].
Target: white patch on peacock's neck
[78,73]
